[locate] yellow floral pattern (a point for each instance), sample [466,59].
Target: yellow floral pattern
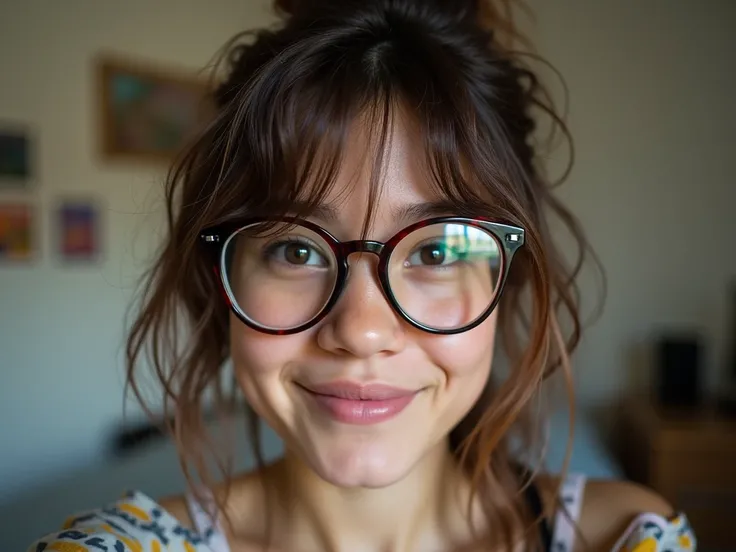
[652,533]
[133,524]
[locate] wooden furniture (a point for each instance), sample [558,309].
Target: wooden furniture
[689,457]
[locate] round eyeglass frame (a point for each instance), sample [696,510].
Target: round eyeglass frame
[216,238]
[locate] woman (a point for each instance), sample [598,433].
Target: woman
[361,231]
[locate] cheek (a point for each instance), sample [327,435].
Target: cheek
[465,361]
[465,355]
[260,362]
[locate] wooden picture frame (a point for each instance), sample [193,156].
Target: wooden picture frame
[148,112]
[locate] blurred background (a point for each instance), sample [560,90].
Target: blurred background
[95,96]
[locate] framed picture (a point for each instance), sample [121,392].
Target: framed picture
[147,112]
[15,157]
[17,239]
[78,230]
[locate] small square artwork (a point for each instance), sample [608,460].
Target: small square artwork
[16,232]
[15,164]
[79,230]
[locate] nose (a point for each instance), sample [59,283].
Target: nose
[362,323]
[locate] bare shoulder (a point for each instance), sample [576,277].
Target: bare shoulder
[239,509]
[610,506]
[624,496]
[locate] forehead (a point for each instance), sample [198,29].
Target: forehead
[384,172]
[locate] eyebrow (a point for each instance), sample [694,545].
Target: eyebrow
[418,211]
[409,212]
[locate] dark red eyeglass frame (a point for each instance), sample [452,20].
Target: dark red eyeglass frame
[215,239]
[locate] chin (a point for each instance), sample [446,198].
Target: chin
[368,465]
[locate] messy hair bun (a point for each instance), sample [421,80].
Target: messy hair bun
[495,16]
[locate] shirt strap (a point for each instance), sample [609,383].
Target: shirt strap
[568,515]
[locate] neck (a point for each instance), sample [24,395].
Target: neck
[423,511]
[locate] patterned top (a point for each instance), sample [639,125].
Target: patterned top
[136,523]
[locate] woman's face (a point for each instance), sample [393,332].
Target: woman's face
[312,387]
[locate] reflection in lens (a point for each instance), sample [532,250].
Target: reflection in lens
[279,277]
[445,276]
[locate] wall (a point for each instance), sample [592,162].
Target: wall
[651,110]
[61,328]
[650,89]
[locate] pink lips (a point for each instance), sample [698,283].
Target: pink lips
[352,403]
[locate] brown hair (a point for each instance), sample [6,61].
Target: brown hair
[291,92]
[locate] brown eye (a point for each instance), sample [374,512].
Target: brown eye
[432,255]
[297,253]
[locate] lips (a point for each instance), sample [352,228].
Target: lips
[353,403]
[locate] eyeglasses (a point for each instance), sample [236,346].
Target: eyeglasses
[443,275]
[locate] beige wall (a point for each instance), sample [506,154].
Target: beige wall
[651,110]
[61,329]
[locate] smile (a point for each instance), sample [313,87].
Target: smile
[357,404]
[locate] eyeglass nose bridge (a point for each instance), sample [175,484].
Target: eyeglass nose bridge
[361,246]
[345,249]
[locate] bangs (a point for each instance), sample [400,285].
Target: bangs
[285,134]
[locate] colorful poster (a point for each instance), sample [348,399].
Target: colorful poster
[16,232]
[79,230]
